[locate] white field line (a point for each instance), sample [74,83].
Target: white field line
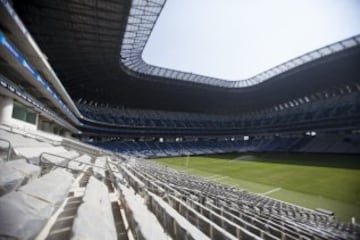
[243,158]
[212,177]
[234,186]
[219,178]
[271,191]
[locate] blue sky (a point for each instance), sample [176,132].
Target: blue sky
[237,39]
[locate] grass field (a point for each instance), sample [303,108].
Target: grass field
[313,181]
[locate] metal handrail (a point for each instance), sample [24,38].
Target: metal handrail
[9,148]
[42,160]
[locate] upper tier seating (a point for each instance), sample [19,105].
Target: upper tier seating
[333,143]
[333,108]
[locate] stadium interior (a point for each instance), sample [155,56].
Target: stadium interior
[95,143]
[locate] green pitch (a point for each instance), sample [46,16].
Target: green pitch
[314,181]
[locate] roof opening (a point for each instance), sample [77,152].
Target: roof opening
[235,40]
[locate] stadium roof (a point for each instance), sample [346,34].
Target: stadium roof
[95,49]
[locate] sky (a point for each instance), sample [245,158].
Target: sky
[238,39]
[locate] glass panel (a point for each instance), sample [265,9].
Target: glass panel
[19,112]
[23,113]
[31,117]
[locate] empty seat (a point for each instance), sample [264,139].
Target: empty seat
[22,216]
[62,158]
[99,167]
[15,173]
[52,187]
[10,179]
[24,212]
[96,206]
[30,171]
[80,163]
[19,140]
[33,153]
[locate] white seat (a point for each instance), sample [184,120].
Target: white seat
[30,171]
[96,205]
[62,157]
[24,212]
[81,163]
[10,179]
[51,187]
[16,172]
[33,153]
[22,216]
[99,167]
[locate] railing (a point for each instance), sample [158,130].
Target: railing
[8,149]
[83,147]
[47,165]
